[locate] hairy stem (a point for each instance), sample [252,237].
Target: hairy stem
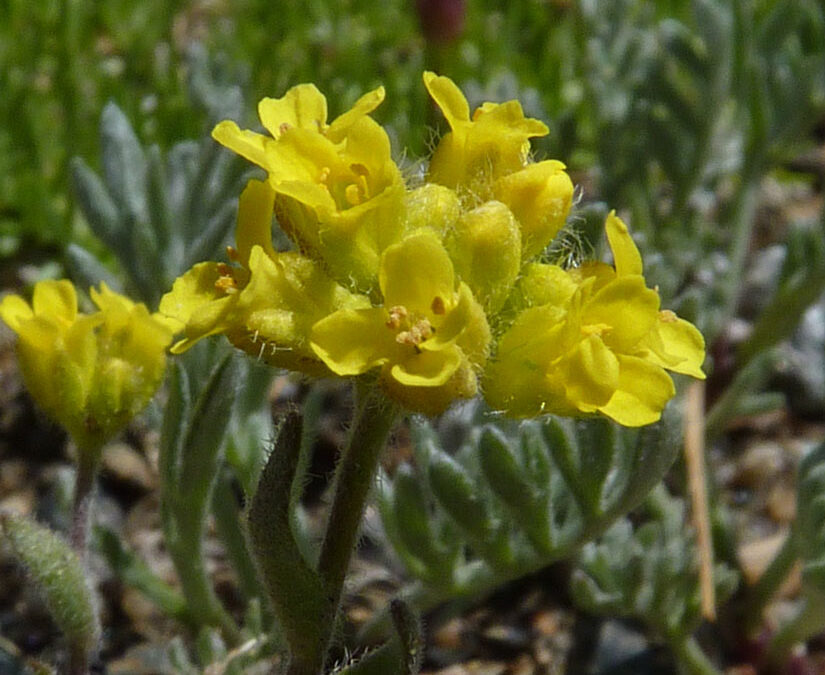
[294,588]
[354,478]
[88,462]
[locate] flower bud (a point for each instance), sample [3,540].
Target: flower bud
[91,373]
[485,247]
[540,196]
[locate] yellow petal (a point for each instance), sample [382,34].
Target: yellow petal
[430,400]
[363,106]
[643,391]
[427,369]
[517,381]
[591,374]
[254,220]
[301,155]
[509,118]
[114,305]
[196,305]
[416,271]
[247,144]
[455,322]
[448,97]
[15,311]
[682,345]
[302,106]
[626,256]
[56,299]
[285,296]
[626,308]
[351,342]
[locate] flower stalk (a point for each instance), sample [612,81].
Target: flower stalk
[88,464]
[354,479]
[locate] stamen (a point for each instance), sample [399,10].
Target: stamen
[397,314]
[353,195]
[437,305]
[596,329]
[420,331]
[225,283]
[667,316]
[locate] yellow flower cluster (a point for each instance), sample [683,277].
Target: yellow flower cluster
[437,288]
[90,372]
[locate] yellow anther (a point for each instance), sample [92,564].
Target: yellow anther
[668,316]
[596,329]
[406,337]
[397,314]
[353,194]
[420,331]
[423,330]
[225,283]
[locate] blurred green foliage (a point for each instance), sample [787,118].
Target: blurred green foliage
[666,99]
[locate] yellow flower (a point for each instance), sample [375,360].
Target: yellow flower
[487,157]
[429,338]
[92,373]
[339,195]
[494,143]
[267,305]
[594,341]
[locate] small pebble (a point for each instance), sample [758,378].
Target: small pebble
[781,503]
[449,635]
[20,503]
[124,464]
[761,461]
[755,556]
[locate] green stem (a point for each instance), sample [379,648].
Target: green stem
[88,462]
[294,588]
[355,475]
[692,659]
[765,588]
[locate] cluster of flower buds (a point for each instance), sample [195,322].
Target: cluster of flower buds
[439,289]
[92,373]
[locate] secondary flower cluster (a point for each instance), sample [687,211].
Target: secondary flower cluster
[90,372]
[438,288]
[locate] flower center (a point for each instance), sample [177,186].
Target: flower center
[226,282]
[598,329]
[350,190]
[410,328]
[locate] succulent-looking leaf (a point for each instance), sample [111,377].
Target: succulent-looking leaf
[60,576]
